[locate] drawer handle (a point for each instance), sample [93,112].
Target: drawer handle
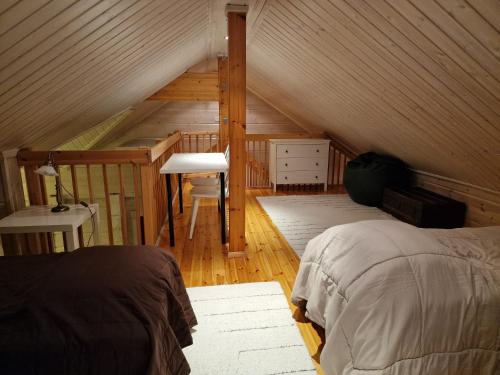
[317,150]
[317,164]
[286,151]
[286,164]
[286,178]
[316,177]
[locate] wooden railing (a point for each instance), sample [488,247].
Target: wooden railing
[200,142]
[340,155]
[258,157]
[257,147]
[125,183]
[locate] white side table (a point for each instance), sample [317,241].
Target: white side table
[39,219]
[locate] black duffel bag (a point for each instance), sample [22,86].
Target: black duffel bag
[366,177]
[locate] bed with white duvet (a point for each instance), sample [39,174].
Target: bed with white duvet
[396,299]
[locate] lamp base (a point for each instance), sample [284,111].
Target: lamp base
[59,208]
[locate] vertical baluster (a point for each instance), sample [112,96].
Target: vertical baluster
[337,165]
[89,182]
[254,182]
[249,165]
[123,208]
[76,198]
[262,166]
[334,167]
[344,162]
[45,199]
[108,204]
[137,204]
[266,159]
[330,169]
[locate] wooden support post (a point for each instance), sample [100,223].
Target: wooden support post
[222,63]
[236,16]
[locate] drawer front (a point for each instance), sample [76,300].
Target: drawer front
[301,177]
[302,151]
[301,164]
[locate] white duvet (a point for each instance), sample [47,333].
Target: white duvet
[396,299]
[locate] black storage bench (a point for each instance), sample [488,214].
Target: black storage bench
[423,208]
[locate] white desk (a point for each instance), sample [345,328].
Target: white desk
[194,163]
[39,219]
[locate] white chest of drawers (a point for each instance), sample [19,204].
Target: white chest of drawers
[298,161]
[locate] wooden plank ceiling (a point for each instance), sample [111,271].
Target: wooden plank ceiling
[66,65]
[419,79]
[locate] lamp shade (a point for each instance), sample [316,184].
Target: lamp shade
[47,170]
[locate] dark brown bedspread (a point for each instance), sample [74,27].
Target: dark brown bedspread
[99,310]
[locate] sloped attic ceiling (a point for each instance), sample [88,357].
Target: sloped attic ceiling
[66,65]
[419,79]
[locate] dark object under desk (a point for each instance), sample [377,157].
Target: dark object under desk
[423,208]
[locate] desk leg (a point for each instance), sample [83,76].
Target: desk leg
[72,239]
[170,211]
[179,178]
[222,208]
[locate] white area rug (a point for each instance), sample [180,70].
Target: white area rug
[302,217]
[245,329]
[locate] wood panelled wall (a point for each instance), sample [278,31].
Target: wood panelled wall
[483,205]
[204,116]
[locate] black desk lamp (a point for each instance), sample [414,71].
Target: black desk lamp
[48,169]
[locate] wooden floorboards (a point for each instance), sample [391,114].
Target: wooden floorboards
[269,258]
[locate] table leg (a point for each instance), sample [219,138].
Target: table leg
[170,211]
[179,179]
[223,208]
[72,239]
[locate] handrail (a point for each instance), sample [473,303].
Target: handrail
[157,150]
[136,156]
[265,137]
[341,146]
[205,132]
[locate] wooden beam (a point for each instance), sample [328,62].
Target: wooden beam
[222,64]
[237,130]
[190,87]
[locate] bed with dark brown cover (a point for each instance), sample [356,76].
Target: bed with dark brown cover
[98,310]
